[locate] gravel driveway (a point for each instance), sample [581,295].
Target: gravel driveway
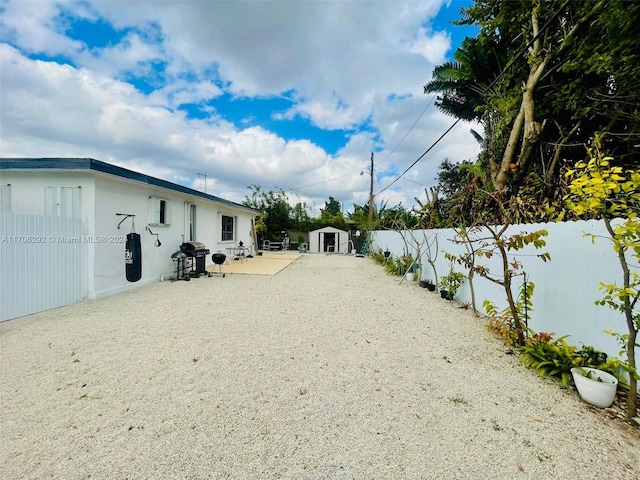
[328,370]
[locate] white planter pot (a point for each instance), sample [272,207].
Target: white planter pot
[409,276]
[599,389]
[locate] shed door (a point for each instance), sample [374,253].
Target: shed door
[329,242]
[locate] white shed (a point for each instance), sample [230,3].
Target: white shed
[329,239]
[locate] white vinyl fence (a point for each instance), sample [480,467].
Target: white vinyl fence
[565,287]
[42,263]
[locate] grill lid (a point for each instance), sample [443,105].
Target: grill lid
[192,246]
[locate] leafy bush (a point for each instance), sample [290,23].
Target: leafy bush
[398,265]
[378,257]
[452,281]
[556,358]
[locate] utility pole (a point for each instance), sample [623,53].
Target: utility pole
[371,192]
[205,180]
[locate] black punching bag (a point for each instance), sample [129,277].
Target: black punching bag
[133,257]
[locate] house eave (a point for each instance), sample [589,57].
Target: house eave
[91,164]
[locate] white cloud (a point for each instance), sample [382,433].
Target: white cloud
[345,65]
[433,47]
[132,55]
[331,115]
[34,27]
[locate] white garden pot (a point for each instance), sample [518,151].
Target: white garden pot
[599,389]
[409,276]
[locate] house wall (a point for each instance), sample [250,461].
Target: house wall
[565,287]
[98,253]
[28,189]
[242,230]
[116,195]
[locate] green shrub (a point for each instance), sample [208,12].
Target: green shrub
[393,265]
[378,257]
[556,358]
[452,281]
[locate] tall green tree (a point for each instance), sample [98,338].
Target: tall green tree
[327,219]
[333,206]
[301,220]
[274,206]
[391,217]
[567,70]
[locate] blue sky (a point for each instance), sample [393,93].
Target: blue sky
[294,95]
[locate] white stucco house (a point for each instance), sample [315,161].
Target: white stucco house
[329,239]
[64,222]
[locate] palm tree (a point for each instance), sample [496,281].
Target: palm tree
[464,82]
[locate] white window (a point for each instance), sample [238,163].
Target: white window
[190,222]
[5,198]
[62,202]
[228,228]
[158,211]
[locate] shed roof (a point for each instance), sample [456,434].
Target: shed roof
[89,164]
[329,230]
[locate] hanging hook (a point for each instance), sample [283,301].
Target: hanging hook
[125,215]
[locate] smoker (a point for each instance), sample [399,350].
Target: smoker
[182,269]
[196,254]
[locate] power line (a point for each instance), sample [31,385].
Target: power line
[325,181]
[409,131]
[420,157]
[405,179]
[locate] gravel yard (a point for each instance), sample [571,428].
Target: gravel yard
[328,370]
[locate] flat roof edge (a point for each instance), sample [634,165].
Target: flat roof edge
[100,166]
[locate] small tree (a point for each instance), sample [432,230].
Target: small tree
[492,240]
[488,237]
[432,253]
[599,189]
[468,259]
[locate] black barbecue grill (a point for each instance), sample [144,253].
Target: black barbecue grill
[219,259]
[196,253]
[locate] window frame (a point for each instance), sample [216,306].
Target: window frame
[191,222]
[224,231]
[159,208]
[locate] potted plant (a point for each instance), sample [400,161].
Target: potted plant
[428,284]
[450,283]
[595,386]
